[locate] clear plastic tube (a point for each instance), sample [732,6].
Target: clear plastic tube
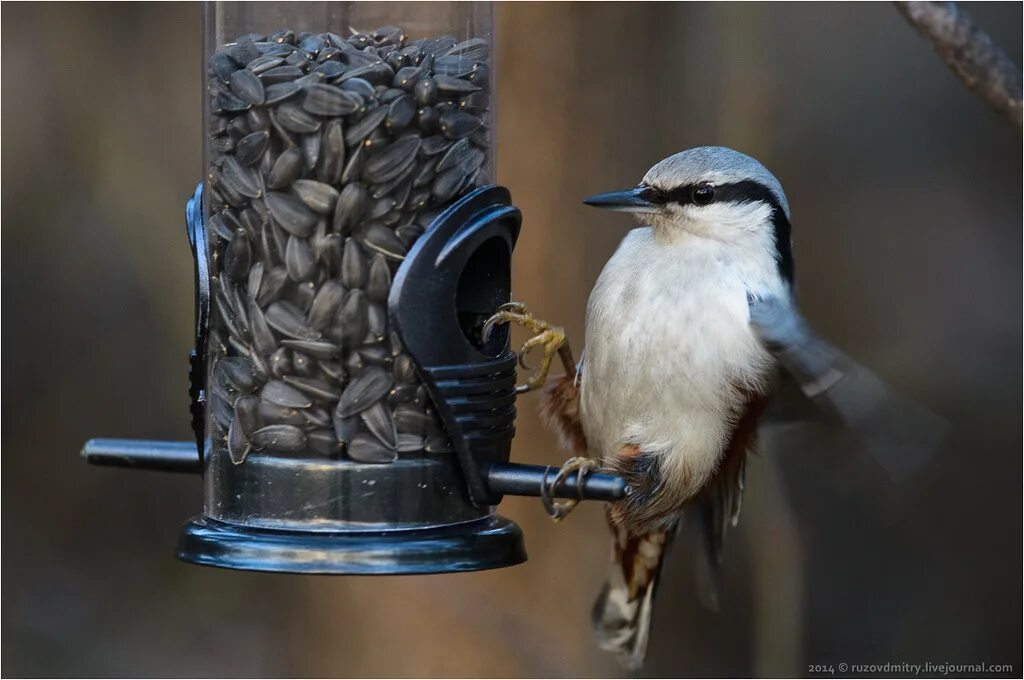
[334,133]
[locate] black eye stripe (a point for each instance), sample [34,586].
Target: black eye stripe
[734,192]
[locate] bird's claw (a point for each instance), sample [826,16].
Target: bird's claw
[582,466]
[551,338]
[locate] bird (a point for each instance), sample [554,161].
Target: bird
[673,378]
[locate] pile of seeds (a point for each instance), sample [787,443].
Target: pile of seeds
[332,156]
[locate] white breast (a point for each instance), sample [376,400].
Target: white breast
[668,344]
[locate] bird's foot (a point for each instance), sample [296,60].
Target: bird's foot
[580,465]
[550,338]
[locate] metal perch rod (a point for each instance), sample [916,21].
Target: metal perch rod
[502,478]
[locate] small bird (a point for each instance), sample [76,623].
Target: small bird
[673,378]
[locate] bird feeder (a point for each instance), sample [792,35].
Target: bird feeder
[349,245]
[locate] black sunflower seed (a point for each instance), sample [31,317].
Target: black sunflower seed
[381,424]
[353,265]
[329,100]
[251,147]
[291,214]
[325,305]
[282,438]
[364,391]
[246,86]
[317,195]
[289,320]
[392,160]
[368,449]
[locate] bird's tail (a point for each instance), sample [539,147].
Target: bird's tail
[621,616]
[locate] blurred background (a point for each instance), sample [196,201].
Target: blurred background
[906,196]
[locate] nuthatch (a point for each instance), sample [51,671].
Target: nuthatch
[684,329]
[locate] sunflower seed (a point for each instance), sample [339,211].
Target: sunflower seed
[446,184]
[251,147]
[349,208]
[450,85]
[238,444]
[228,102]
[453,155]
[407,77]
[476,49]
[329,100]
[359,86]
[317,195]
[262,337]
[286,169]
[281,393]
[332,153]
[299,259]
[317,417]
[323,442]
[366,449]
[392,160]
[317,348]
[425,91]
[291,214]
[272,287]
[330,69]
[405,369]
[310,145]
[367,124]
[382,240]
[353,265]
[289,320]
[280,90]
[294,118]
[346,429]
[284,438]
[458,124]
[223,65]
[246,86]
[238,256]
[378,283]
[239,179]
[275,77]
[453,65]
[263,63]
[325,305]
[351,320]
[364,391]
[247,412]
[379,422]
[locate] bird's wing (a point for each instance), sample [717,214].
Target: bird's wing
[898,433]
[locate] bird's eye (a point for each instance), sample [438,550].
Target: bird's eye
[703,194]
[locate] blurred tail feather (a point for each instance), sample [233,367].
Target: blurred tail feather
[621,616]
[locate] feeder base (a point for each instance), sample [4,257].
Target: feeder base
[488,543]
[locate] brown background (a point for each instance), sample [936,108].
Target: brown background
[906,196]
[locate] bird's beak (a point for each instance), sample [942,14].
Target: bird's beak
[636,200]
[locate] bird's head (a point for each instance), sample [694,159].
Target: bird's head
[713,192]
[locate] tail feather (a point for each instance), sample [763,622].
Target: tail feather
[621,616]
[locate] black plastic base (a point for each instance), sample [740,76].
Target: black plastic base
[472,546]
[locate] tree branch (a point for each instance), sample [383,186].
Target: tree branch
[970,53]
